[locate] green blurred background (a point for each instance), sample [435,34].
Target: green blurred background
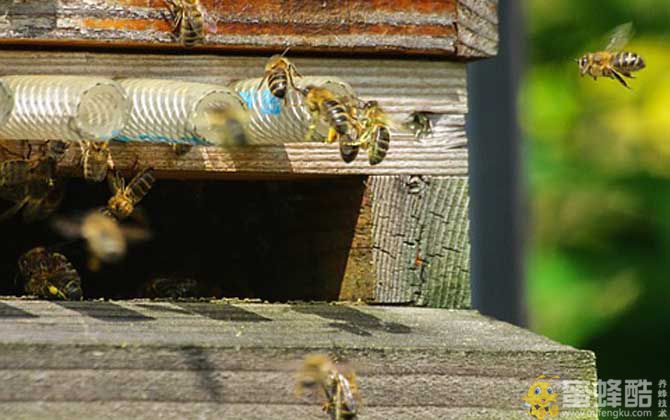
[597,162]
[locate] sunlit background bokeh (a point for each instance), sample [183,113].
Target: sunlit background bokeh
[597,161]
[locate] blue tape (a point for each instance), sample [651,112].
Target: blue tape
[270,104]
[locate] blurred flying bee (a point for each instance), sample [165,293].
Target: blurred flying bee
[419,123]
[375,135]
[181,149]
[106,239]
[228,125]
[96,160]
[323,105]
[171,288]
[612,62]
[189,21]
[49,275]
[32,186]
[125,198]
[280,74]
[339,390]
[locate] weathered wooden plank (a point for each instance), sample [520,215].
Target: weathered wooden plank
[178,411]
[232,359]
[401,86]
[419,249]
[448,28]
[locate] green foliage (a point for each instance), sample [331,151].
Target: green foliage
[599,176]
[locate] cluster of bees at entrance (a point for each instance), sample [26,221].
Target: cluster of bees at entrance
[352,124]
[36,189]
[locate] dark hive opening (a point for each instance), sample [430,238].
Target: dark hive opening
[272,240]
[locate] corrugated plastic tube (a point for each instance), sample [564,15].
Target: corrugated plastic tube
[275,121]
[64,108]
[172,111]
[6,102]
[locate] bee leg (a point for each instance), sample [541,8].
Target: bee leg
[10,212]
[628,75]
[310,132]
[94,264]
[620,79]
[333,136]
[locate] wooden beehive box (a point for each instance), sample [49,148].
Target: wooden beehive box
[293,222]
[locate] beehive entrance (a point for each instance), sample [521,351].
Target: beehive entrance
[272,240]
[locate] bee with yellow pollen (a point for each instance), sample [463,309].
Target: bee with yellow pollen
[541,398]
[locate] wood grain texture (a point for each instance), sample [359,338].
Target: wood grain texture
[401,86]
[420,248]
[140,358]
[448,28]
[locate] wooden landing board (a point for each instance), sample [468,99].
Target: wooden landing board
[401,86]
[462,29]
[142,359]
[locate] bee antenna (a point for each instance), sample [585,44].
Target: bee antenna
[285,51]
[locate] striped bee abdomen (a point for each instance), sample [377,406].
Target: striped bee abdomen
[627,62]
[380,145]
[338,116]
[277,82]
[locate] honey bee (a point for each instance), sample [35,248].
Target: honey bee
[280,74]
[49,275]
[612,62]
[125,198]
[189,21]
[181,149]
[96,160]
[171,287]
[55,149]
[419,123]
[32,186]
[323,105]
[339,390]
[106,239]
[375,135]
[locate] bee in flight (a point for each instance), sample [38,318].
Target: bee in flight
[32,185]
[280,74]
[96,160]
[124,199]
[189,21]
[613,62]
[49,275]
[228,125]
[324,106]
[339,390]
[106,239]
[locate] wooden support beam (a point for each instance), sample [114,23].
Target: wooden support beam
[412,235]
[142,359]
[460,29]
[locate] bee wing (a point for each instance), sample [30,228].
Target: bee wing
[115,182]
[208,21]
[140,185]
[69,227]
[135,233]
[619,37]
[41,209]
[13,172]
